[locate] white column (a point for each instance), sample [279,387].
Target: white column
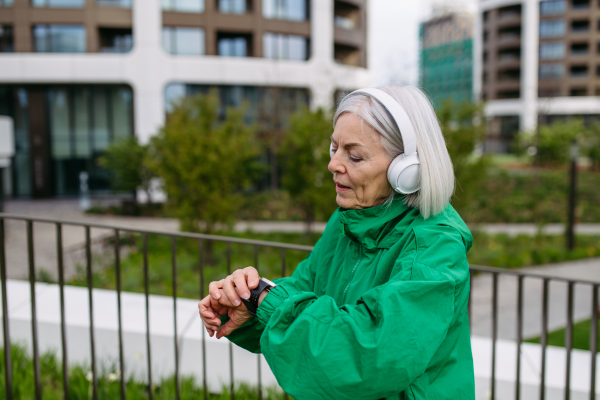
[323,68]
[477,53]
[529,65]
[147,68]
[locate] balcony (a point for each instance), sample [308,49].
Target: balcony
[115,40]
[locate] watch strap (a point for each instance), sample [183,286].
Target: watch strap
[252,302]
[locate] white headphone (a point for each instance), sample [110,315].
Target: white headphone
[404,172]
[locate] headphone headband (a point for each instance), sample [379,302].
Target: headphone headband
[409,138]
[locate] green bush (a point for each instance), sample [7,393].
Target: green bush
[553,142]
[305,156]
[463,129]
[126,159]
[205,164]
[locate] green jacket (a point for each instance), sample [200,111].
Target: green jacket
[377,310]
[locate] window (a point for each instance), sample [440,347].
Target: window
[553,7]
[285,47]
[234,45]
[551,71]
[579,71]
[195,6]
[59,3]
[509,55]
[580,26]
[59,39]
[183,41]
[576,92]
[552,50]
[552,28]
[509,75]
[293,10]
[234,6]
[549,92]
[114,40]
[581,4]
[115,3]
[346,15]
[579,48]
[6,3]
[6,39]
[348,55]
[510,12]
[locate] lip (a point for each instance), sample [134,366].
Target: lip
[339,188]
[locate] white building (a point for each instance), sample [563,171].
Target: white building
[77,74]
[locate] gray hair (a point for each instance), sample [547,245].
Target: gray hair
[437,173]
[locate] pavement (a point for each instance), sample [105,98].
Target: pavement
[45,258]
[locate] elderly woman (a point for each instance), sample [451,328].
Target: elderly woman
[379,308]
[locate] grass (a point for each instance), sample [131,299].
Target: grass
[581,336]
[108,382]
[491,250]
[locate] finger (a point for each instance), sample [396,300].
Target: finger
[226,329]
[230,292]
[210,332]
[241,286]
[209,319]
[214,287]
[252,277]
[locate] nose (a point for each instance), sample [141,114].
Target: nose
[335,166]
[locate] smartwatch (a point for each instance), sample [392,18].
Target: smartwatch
[252,302]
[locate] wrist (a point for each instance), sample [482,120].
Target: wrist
[262,296]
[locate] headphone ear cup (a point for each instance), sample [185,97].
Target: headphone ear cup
[404,173]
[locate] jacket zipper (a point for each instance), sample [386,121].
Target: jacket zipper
[352,273]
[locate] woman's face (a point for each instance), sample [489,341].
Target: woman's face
[359,164]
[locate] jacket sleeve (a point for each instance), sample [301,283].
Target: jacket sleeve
[368,350]
[302,280]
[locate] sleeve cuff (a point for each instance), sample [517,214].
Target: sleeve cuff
[270,303]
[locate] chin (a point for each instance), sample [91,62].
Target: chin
[343,202]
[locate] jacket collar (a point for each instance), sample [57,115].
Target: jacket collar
[370,226]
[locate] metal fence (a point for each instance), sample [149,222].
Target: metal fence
[256,245]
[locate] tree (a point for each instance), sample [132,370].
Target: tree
[463,129]
[554,141]
[305,156]
[204,163]
[125,158]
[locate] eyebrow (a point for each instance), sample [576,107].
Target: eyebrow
[349,145]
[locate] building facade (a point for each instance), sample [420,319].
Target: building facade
[535,62]
[446,57]
[76,75]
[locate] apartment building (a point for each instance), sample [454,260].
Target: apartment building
[446,57]
[536,62]
[76,75]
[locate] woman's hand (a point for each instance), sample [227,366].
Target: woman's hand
[236,285]
[211,310]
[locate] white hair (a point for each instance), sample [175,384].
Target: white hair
[437,173]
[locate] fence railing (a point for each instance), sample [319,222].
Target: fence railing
[202,240]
